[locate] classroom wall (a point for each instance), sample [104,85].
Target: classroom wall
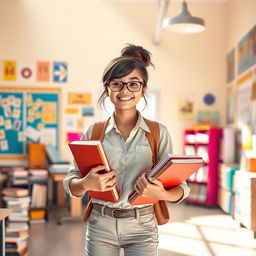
[88,34]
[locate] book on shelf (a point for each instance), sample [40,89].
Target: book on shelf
[172,170]
[89,154]
[15,192]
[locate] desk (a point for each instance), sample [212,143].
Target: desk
[3,214]
[75,203]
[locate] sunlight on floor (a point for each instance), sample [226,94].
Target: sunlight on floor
[213,235]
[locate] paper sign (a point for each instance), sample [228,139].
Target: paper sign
[72,110]
[43,71]
[48,136]
[40,127]
[21,136]
[26,73]
[8,124]
[2,134]
[9,70]
[7,112]
[49,112]
[11,99]
[87,111]
[31,112]
[17,103]
[28,97]
[80,123]
[16,113]
[60,72]
[5,103]
[73,136]
[17,125]
[4,145]
[32,133]
[31,119]
[79,98]
[1,121]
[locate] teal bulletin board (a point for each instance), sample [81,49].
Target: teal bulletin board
[28,114]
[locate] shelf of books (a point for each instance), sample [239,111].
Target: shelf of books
[25,192]
[203,141]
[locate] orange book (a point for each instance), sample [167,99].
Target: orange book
[36,156]
[172,170]
[89,154]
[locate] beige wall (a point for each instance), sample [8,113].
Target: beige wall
[88,34]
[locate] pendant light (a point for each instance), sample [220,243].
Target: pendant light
[184,22]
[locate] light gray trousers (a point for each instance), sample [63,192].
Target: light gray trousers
[107,236]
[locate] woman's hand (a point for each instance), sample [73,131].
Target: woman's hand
[152,188]
[96,181]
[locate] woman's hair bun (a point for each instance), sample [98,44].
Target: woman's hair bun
[137,52]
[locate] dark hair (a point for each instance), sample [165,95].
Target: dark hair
[132,57]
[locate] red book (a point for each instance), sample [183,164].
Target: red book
[172,170]
[89,154]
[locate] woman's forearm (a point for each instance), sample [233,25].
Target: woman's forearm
[76,187]
[173,195]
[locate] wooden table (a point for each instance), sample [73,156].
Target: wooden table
[3,214]
[75,203]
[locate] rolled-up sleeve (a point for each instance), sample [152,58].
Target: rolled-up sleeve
[74,171]
[165,147]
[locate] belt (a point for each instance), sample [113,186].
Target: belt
[123,213]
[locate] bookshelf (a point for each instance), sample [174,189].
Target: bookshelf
[204,141]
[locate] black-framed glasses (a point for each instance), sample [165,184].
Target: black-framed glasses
[132,86]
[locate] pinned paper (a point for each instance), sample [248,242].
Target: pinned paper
[11,99]
[36,107]
[2,134]
[1,120]
[39,102]
[29,103]
[60,72]
[5,102]
[8,124]
[87,111]
[17,103]
[26,73]
[72,111]
[48,136]
[30,119]
[28,97]
[17,125]
[7,112]
[79,98]
[40,126]
[31,112]
[43,71]
[4,145]
[21,136]
[80,123]
[32,133]
[9,70]
[16,113]
[38,115]
[49,112]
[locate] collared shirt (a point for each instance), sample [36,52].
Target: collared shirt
[130,158]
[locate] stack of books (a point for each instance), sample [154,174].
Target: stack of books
[18,200]
[18,176]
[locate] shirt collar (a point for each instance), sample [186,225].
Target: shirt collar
[140,123]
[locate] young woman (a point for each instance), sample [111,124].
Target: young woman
[127,147]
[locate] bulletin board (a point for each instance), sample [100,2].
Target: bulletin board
[28,114]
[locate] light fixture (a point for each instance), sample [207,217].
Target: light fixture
[184,22]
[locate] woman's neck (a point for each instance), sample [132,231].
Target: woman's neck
[126,118]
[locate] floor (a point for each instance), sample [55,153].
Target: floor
[193,231]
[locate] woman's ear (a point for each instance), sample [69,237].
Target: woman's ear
[143,91]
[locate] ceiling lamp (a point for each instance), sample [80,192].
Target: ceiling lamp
[184,22]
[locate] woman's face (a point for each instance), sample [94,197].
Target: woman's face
[125,98]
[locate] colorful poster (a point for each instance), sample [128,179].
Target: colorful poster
[87,111]
[73,111]
[9,70]
[26,73]
[79,98]
[60,72]
[43,71]
[247,50]
[208,117]
[49,112]
[186,107]
[231,66]
[244,100]
[73,136]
